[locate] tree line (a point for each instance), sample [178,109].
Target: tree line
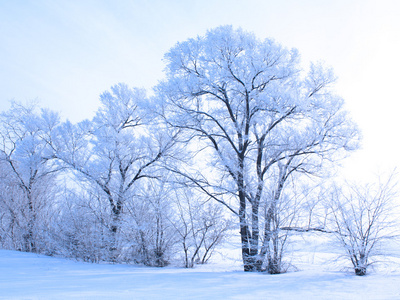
[237,136]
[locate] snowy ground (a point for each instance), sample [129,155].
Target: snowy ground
[30,276]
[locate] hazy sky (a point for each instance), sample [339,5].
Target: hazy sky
[66,52]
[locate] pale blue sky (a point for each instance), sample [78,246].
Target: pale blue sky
[66,52]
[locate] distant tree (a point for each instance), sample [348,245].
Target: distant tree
[363,219]
[27,175]
[250,115]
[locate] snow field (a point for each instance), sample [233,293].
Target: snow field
[31,276]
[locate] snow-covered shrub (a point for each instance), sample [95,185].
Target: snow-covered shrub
[83,228]
[146,228]
[200,226]
[362,218]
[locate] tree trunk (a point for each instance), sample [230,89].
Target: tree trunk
[114,253]
[360,271]
[113,244]
[250,256]
[249,239]
[29,240]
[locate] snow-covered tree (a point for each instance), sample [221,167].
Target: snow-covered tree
[28,176]
[121,146]
[252,118]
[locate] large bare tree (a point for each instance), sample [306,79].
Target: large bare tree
[251,117]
